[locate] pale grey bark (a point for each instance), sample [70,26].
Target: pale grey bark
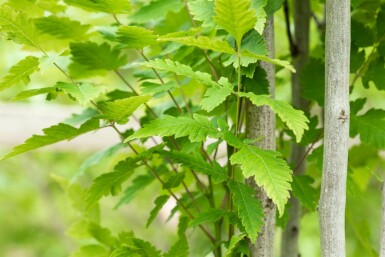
[260,121]
[382,246]
[336,129]
[302,14]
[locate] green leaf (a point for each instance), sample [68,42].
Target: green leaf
[375,73]
[135,37]
[235,16]
[82,92]
[202,42]
[91,251]
[138,184]
[304,192]
[33,92]
[313,81]
[18,26]
[270,172]
[103,184]
[61,27]
[122,108]
[285,64]
[53,135]
[214,96]
[182,70]
[198,164]
[160,201]
[156,10]
[233,244]
[20,72]
[196,128]
[103,235]
[155,88]
[174,181]
[370,126]
[359,29]
[202,10]
[179,249]
[210,216]
[294,119]
[107,6]
[248,207]
[95,56]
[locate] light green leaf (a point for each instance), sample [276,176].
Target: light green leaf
[106,182]
[82,92]
[196,128]
[155,88]
[33,92]
[95,56]
[270,172]
[20,72]
[102,235]
[233,244]
[122,108]
[160,201]
[53,135]
[265,58]
[91,251]
[248,207]
[235,16]
[304,192]
[61,27]
[214,96]
[202,42]
[107,6]
[210,216]
[182,70]
[179,249]
[370,126]
[138,184]
[135,37]
[198,164]
[18,26]
[202,10]
[156,10]
[294,119]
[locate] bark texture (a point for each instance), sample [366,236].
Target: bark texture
[336,129]
[289,245]
[260,121]
[382,246]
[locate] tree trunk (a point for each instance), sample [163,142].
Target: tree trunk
[289,245]
[260,121]
[382,246]
[336,131]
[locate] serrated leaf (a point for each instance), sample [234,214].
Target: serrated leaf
[82,92]
[138,184]
[135,37]
[210,216]
[370,126]
[196,163]
[107,6]
[20,72]
[202,42]
[122,108]
[248,207]
[33,92]
[96,57]
[155,88]
[182,70]
[18,26]
[53,135]
[214,96]
[304,192]
[103,184]
[294,119]
[179,249]
[102,235]
[265,58]
[144,248]
[233,244]
[235,16]
[375,74]
[202,10]
[270,172]
[196,128]
[174,181]
[61,27]
[160,201]
[156,10]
